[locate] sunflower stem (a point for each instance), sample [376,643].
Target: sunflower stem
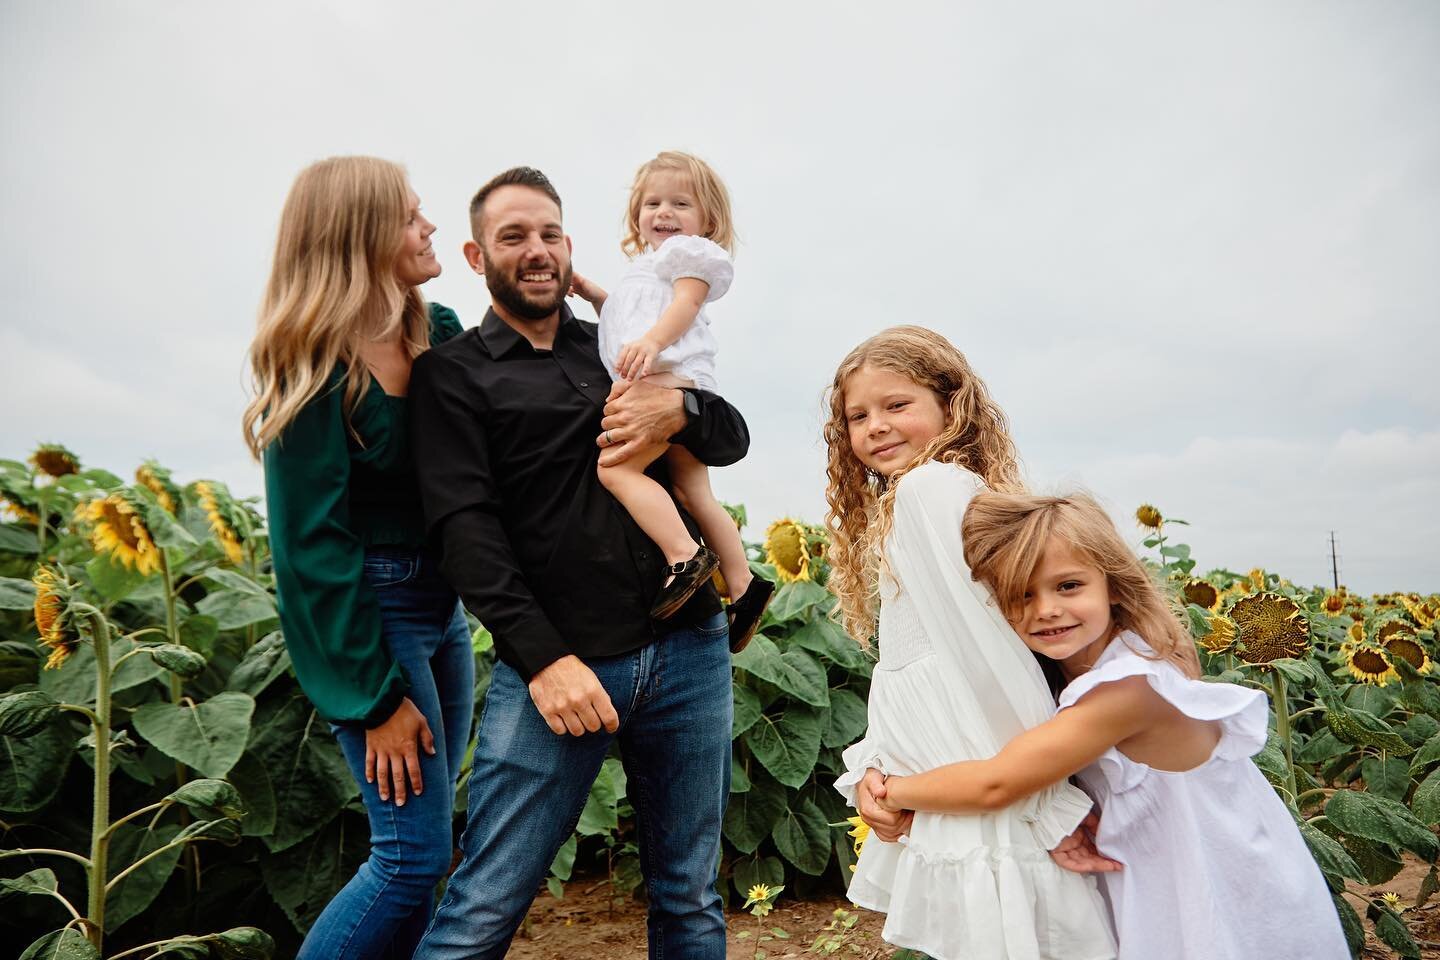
[1282,728]
[177,696]
[100,819]
[1317,708]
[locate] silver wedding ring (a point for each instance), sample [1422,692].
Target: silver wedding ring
[608,441]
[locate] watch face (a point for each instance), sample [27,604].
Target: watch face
[692,404]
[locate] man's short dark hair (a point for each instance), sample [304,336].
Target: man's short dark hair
[514,177]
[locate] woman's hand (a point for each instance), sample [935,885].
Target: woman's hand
[637,358]
[390,754]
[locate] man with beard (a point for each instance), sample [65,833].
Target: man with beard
[508,421]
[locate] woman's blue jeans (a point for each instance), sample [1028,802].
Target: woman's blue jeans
[384,909]
[528,786]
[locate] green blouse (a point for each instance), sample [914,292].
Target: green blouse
[328,498]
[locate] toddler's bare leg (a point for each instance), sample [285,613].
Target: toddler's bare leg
[649,503]
[691,481]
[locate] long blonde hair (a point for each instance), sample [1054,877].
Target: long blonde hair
[332,288]
[710,194]
[1006,535]
[861,501]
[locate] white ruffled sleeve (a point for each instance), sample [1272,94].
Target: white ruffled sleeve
[1004,691]
[685,256]
[1243,713]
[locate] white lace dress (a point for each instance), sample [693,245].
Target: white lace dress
[954,682]
[644,292]
[1215,868]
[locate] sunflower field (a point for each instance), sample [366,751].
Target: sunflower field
[167,790]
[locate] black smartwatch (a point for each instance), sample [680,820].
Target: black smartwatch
[692,403]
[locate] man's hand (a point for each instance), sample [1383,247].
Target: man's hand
[390,754]
[1078,853]
[638,415]
[570,698]
[885,824]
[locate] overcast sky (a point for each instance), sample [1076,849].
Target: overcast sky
[1193,248]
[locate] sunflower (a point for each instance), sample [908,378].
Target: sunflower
[1393,901]
[1270,627]
[1221,636]
[1334,603]
[1371,666]
[224,515]
[1421,611]
[1407,648]
[1393,628]
[1257,580]
[52,617]
[1356,634]
[786,547]
[1149,516]
[13,510]
[156,479]
[1202,593]
[53,460]
[119,531]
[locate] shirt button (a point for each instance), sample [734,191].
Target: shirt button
[584,384]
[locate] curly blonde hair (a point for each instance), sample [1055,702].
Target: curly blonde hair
[1006,536]
[861,502]
[710,195]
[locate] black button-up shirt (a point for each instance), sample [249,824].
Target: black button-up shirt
[504,443]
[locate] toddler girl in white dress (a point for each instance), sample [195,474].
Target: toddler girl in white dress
[654,327]
[912,436]
[1214,867]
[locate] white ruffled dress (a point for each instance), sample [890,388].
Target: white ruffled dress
[955,682]
[644,292]
[1215,868]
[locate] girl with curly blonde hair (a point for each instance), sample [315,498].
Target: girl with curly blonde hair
[913,435]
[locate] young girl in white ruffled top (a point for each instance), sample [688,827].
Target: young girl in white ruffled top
[912,436]
[654,327]
[1214,867]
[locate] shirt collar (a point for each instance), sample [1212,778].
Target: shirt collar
[500,338]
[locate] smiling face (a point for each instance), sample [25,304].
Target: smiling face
[524,253]
[1066,613]
[890,418]
[667,208]
[416,262]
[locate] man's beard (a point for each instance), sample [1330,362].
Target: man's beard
[504,291]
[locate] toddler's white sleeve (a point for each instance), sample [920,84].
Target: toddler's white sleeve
[683,256]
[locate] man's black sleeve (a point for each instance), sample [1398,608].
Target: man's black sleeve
[462,514]
[717,437]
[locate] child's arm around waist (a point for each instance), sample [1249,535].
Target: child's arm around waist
[1077,736]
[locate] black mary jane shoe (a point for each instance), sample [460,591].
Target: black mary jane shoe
[746,612]
[689,576]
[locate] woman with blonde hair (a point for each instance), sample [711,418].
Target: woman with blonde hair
[377,639]
[913,434]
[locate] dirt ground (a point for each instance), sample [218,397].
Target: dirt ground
[590,923]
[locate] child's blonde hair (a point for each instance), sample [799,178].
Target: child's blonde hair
[710,194]
[1006,535]
[861,502]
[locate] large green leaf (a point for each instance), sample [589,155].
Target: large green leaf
[1426,802]
[16,594]
[17,539]
[262,665]
[66,944]
[179,660]
[208,736]
[807,681]
[74,680]
[599,817]
[24,713]
[746,872]
[739,779]
[41,882]
[233,609]
[1350,923]
[750,816]
[794,599]
[113,581]
[564,863]
[846,720]
[209,799]
[1331,857]
[1386,778]
[1376,818]
[747,710]
[803,837]
[307,875]
[132,895]
[1392,930]
[308,774]
[788,744]
[824,637]
[32,769]
[234,580]
[253,781]
[1425,756]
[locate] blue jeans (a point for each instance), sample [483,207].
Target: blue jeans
[384,909]
[528,786]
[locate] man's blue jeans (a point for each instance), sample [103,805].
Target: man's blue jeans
[529,785]
[386,906]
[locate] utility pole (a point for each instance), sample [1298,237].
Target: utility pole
[1334,563]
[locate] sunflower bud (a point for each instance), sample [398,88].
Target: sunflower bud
[1149,516]
[52,615]
[226,518]
[156,479]
[786,547]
